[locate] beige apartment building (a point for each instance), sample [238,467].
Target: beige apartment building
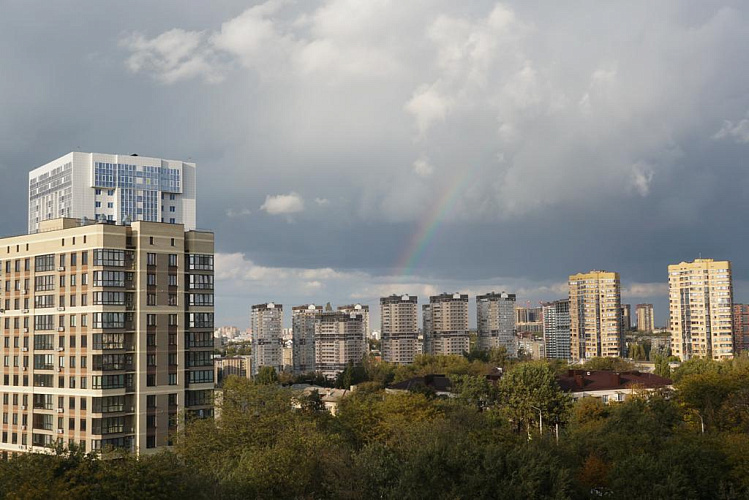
[267,336]
[645,320]
[495,319]
[107,334]
[700,309]
[445,321]
[359,309]
[595,315]
[339,339]
[399,328]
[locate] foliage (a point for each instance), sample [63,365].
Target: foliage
[608,364]
[273,442]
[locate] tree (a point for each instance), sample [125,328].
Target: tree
[266,375]
[662,367]
[608,364]
[533,385]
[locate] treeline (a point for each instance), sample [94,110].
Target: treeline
[486,442]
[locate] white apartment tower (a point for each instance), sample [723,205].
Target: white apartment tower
[495,316]
[556,316]
[303,321]
[399,328]
[113,188]
[267,336]
[446,324]
[700,309]
[339,340]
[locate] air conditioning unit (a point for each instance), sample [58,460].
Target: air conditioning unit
[24,368]
[25,330]
[60,431]
[23,427]
[59,369]
[61,308]
[23,407]
[2,310]
[24,291]
[60,349]
[25,311]
[61,268]
[24,349]
[61,329]
[61,410]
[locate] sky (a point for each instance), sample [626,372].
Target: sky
[350,149]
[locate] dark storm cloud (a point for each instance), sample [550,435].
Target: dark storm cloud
[581,135]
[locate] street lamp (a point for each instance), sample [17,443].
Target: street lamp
[540,419]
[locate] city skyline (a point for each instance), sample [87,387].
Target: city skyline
[480,148]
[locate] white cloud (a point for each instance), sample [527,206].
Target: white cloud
[322,201]
[645,290]
[283,204]
[738,131]
[422,167]
[642,176]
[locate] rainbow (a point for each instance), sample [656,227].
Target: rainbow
[429,225]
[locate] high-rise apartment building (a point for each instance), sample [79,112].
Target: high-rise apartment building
[108,334]
[626,317]
[495,317]
[267,340]
[362,310]
[339,339]
[399,328]
[557,329]
[445,321]
[700,309]
[113,188]
[740,328]
[529,320]
[595,315]
[303,321]
[645,320]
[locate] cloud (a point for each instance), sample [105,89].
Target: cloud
[283,204]
[172,56]
[646,290]
[642,176]
[738,131]
[322,201]
[240,212]
[422,167]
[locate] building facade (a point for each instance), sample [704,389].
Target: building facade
[495,318]
[359,309]
[529,320]
[399,328]
[108,334]
[267,341]
[595,315]
[339,340]
[645,319]
[303,321]
[113,188]
[740,328]
[445,322]
[557,339]
[236,366]
[701,309]
[626,317]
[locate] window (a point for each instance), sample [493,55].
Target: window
[172,260]
[106,257]
[151,339]
[199,339]
[44,262]
[44,301]
[201,299]
[73,258]
[151,380]
[72,279]
[62,281]
[109,278]
[151,360]
[109,320]
[151,259]
[109,298]
[84,256]
[151,299]
[110,192]
[201,282]
[200,320]
[172,320]
[151,279]
[84,300]
[171,209]
[84,279]
[200,262]
[44,322]
[172,280]
[42,283]
[172,299]
[200,376]
[151,319]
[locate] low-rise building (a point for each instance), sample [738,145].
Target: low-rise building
[610,386]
